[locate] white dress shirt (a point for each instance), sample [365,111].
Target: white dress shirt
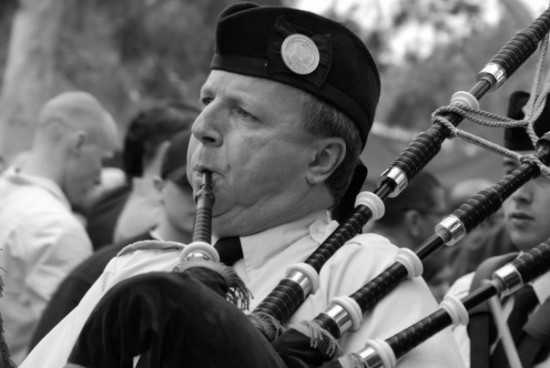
[41,242]
[267,255]
[141,212]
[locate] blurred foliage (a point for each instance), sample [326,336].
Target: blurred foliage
[406,31]
[132,53]
[420,87]
[7,9]
[415,85]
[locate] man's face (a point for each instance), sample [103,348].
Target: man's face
[248,135]
[435,214]
[527,211]
[179,205]
[83,172]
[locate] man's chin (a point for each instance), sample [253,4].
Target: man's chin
[222,225]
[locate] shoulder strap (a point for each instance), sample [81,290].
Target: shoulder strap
[481,329]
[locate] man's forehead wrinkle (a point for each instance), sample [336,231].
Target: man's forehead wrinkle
[222,86]
[238,89]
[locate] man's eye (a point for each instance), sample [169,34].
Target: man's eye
[206,100]
[244,113]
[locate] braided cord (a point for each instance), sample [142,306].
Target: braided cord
[532,111]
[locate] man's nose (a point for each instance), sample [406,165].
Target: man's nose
[207,126]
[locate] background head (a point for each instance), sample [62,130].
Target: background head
[177,193]
[149,132]
[75,133]
[459,194]
[413,214]
[411,217]
[527,211]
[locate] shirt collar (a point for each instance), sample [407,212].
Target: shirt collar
[14,176]
[260,247]
[541,286]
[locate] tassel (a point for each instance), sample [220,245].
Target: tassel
[237,294]
[319,338]
[267,324]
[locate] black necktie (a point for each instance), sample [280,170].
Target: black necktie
[535,340]
[229,249]
[524,302]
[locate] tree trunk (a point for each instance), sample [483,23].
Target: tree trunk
[29,74]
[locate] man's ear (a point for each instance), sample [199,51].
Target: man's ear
[158,183]
[413,222]
[329,153]
[78,140]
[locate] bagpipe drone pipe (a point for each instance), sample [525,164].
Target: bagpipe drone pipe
[127,326]
[310,346]
[289,294]
[505,281]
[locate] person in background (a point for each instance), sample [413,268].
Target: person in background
[410,218]
[40,238]
[287,109]
[490,238]
[527,219]
[135,207]
[175,224]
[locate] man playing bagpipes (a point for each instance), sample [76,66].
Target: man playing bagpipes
[287,109]
[527,218]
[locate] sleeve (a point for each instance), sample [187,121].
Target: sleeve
[49,352]
[73,288]
[64,300]
[58,247]
[366,257]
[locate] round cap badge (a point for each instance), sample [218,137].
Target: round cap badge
[300,54]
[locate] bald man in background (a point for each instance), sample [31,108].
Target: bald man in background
[40,238]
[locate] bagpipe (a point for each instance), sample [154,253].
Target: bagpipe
[125,324]
[505,281]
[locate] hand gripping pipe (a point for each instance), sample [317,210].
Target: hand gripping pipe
[289,294]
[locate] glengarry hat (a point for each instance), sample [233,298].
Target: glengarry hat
[303,50]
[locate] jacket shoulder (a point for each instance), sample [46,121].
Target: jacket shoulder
[161,245]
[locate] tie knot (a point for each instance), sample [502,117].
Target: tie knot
[525,298]
[229,249]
